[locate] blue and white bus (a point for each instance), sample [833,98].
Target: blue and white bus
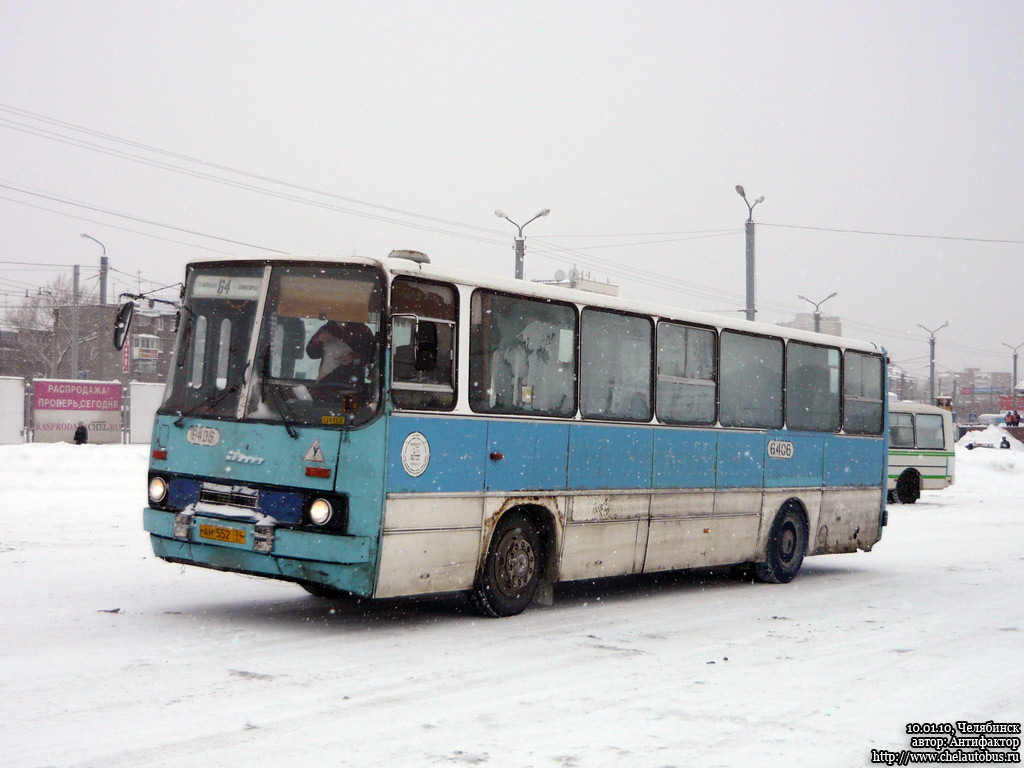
[386,428]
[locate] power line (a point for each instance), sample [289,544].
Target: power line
[63,201]
[892,234]
[81,143]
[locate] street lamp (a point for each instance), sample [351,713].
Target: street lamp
[751,311]
[1013,384]
[103,268]
[817,311]
[520,240]
[931,364]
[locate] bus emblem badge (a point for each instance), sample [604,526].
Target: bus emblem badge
[780,449]
[315,453]
[415,454]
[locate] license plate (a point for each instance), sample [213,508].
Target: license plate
[222,533]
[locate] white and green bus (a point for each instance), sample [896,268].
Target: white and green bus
[920,450]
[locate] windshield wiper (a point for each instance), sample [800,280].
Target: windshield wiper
[206,406]
[271,388]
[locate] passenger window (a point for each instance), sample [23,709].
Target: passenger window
[862,402]
[751,381]
[686,374]
[615,366]
[223,353]
[522,356]
[812,388]
[198,363]
[929,431]
[423,334]
[901,430]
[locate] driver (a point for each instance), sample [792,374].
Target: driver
[343,349]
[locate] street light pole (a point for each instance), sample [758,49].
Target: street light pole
[817,310]
[1013,384]
[520,240]
[931,358]
[104,268]
[751,309]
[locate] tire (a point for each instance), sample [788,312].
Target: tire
[908,488]
[512,569]
[787,545]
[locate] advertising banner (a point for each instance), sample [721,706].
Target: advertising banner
[59,407]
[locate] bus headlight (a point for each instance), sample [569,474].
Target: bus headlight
[320,511]
[157,489]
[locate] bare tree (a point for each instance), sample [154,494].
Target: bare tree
[43,324]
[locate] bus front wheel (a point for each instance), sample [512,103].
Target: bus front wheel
[787,544]
[512,569]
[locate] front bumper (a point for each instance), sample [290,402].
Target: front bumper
[346,563]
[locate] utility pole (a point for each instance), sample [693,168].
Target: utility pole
[817,309]
[751,309]
[931,364]
[74,323]
[1013,383]
[520,240]
[104,268]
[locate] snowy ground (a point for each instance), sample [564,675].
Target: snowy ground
[111,657]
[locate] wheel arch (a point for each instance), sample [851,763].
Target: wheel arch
[911,472]
[796,505]
[547,518]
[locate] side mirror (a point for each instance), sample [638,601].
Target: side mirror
[123,324]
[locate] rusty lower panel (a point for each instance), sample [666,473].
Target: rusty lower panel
[848,521]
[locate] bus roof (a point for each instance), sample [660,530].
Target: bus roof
[406,266]
[906,406]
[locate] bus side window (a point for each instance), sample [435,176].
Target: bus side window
[424,331]
[929,431]
[522,356]
[901,430]
[615,366]
[686,374]
[862,394]
[812,390]
[751,381]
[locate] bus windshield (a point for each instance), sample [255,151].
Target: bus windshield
[214,335]
[318,358]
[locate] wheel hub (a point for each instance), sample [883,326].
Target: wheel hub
[787,543]
[516,563]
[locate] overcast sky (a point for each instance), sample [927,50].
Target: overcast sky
[369,126]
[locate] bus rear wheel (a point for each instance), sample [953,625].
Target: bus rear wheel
[512,569]
[908,488]
[787,544]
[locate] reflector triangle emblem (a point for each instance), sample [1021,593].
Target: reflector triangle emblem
[314,453]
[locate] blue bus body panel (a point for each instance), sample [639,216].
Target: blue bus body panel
[360,475]
[607,457]
[262,453]
[855,461]
[740,459]
[685,458]
[458,450]
[803,470]
[534,456]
